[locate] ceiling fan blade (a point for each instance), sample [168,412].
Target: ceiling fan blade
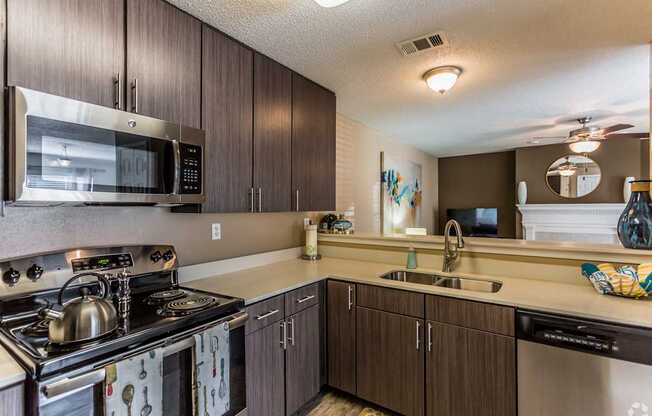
[628,136]
[616,127]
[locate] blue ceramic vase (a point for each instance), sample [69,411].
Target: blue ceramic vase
[635,223]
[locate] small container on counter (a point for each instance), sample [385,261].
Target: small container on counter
[310,249]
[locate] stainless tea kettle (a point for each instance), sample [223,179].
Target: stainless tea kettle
[85,318]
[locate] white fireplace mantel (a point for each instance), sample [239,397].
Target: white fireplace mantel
[594,223]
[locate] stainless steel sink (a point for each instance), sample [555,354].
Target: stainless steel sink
[462,283]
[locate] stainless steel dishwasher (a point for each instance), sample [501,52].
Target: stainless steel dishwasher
[577,367]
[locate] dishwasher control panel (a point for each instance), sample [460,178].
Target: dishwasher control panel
[607,339]
[580,341]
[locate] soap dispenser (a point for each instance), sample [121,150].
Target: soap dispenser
[412,258]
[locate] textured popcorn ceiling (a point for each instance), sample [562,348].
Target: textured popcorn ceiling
[530,66]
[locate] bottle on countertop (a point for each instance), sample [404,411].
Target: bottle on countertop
[411,258]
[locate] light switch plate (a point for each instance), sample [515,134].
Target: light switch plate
[216,231]
[306,222]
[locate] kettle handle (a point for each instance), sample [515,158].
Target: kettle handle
[106,286]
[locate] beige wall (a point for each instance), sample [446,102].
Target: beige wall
[358,174]
[31,230]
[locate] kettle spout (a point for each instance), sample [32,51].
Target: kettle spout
[51,314]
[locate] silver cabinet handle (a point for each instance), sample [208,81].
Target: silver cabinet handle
[291,338]
[266,315]
[251,194]
[350,297]
[134,96]
[418,337]
[306,299]
[429,337]
[297,200]
[117,92]
[260,199]
[284,334]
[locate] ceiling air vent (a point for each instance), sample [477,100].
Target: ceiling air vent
[422,44]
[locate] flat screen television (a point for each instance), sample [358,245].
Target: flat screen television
[476,222]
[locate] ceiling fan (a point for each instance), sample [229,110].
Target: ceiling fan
[587,139]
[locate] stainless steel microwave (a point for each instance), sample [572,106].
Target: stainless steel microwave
[66,152]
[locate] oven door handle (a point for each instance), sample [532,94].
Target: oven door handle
[68,385]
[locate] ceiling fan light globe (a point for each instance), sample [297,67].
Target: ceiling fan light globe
[330,3]
[584,146]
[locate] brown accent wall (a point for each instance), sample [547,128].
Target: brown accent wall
[479,181]
[618,159]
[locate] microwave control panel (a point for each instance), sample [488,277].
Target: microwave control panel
[191,169]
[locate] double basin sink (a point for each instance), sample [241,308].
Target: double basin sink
[452,282]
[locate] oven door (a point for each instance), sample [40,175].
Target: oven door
[82,394]
[69,152]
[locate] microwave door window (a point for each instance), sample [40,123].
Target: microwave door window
[71,157]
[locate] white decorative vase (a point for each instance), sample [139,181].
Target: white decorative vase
[627,188]
[522,192]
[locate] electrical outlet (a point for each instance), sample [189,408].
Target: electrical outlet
[216,231]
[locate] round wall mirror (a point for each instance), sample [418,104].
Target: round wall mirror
[573,176]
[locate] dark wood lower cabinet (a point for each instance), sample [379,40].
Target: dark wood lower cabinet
[341,335]
[390,361]
[302,366]
[469,372]
[265,359]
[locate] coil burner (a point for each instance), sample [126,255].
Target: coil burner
[188,305]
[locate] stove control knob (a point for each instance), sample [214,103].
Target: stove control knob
[156,256]
[168,255]
[34,272]
[11,276]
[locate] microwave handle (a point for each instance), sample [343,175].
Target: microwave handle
[68,385]
[176,148]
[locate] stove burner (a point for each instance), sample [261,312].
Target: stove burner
[188,305]
[37,329]
[165,296]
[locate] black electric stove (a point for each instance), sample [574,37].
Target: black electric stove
[159,307]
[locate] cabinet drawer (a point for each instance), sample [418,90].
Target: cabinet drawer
[265,313]
[470,314]
[301,299]
[391,300]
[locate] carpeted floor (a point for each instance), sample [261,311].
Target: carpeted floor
[333,404]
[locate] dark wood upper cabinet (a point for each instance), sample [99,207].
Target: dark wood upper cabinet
[163,62]
[390,361]
[265,358]
[341,335]
[302,365]
[70,48]
[313,146]
[227,117]
[272,134]
[469,372]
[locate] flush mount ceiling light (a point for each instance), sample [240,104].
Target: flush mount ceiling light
[584,146]
[330,3]
[443,78]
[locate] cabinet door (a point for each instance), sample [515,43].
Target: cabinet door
[341,335]
[227,97]
[265,360]
[302,363]
[163,62]
[272,134]
[469,372]
[390,361]
[12,400]
[313,146]
[71,48]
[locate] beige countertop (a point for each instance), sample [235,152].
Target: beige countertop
[579,300]
[10,371]
[527,248]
